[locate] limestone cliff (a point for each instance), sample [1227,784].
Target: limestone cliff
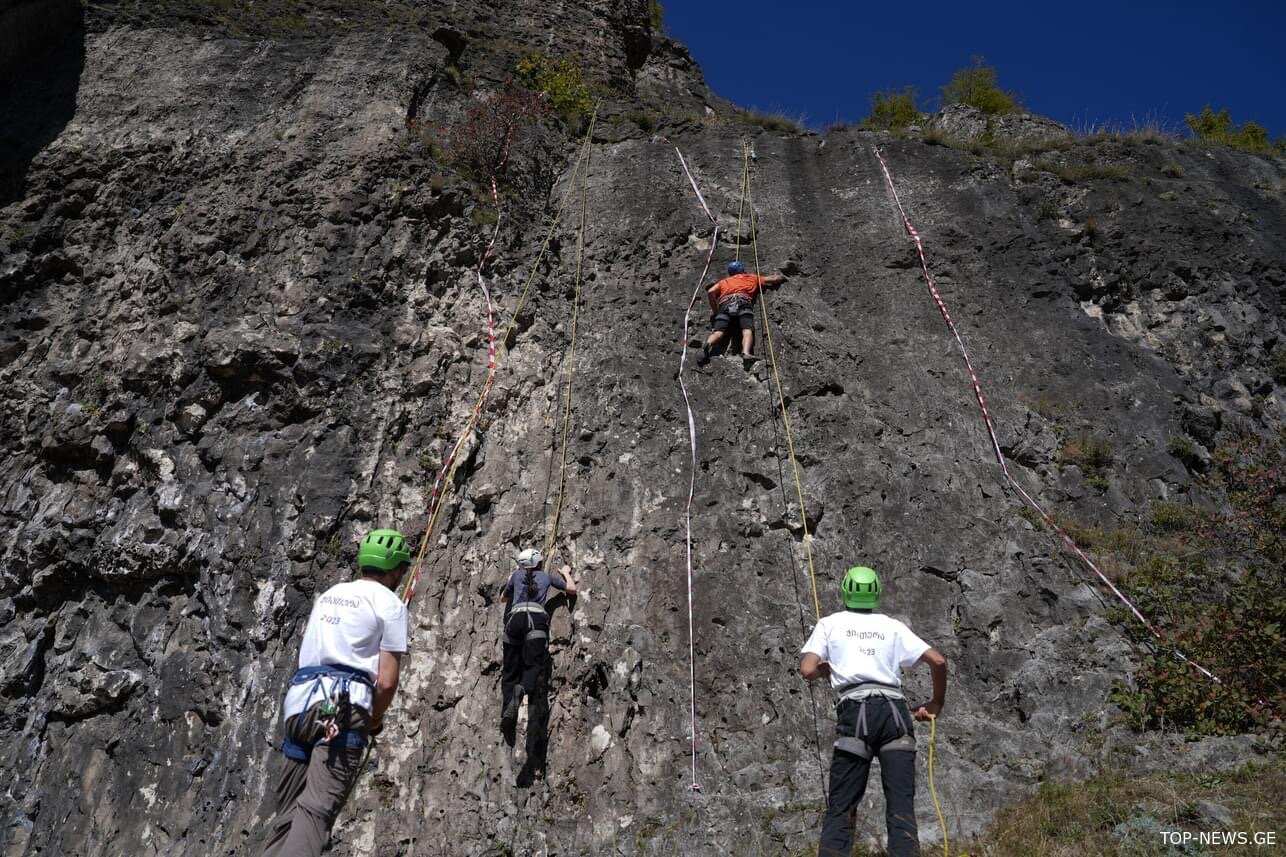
[240,326]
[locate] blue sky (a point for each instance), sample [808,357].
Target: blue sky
[1085,64]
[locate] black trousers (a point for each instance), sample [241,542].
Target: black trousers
[849,772]
[526,649]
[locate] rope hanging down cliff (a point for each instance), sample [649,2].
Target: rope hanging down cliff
[995,443]
[571,354]
[442,483]
[748,199]
[692,472]
[779,407]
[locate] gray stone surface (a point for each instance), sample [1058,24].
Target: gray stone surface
[239,326]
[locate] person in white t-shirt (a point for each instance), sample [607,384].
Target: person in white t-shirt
[863,654]
[349,664]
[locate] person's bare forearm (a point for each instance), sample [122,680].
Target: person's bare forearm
[937,664]
[383,699]
[390,670]
[812,667]
[939,672]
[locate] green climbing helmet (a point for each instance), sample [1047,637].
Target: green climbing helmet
[384,550]
[861,588]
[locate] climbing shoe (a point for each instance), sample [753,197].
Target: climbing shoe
[509,719]
[705,356]
[749,360]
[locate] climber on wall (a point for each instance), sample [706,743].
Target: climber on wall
[863,653]
[526,645]
[733,298]
[348,672]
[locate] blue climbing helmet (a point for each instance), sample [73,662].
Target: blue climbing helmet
[737,267]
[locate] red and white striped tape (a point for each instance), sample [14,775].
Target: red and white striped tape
[995,443]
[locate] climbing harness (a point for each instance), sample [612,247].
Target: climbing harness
[692,469]
[735,305]
[527,608]
[331,709]
[443,481]
[995,442]
[860,693]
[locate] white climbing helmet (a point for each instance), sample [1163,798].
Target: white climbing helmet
[529,558]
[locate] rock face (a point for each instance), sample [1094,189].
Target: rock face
[241,326]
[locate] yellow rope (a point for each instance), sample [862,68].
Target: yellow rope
[571,359]
[933,792]
[447,483]
[781,400]
[549,236]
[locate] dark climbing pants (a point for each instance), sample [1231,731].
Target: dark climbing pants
[311,794]
[849,772]
[526,650]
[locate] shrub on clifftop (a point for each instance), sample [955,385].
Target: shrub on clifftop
[892,109]
[1211,127]
[656,16]
[976,87]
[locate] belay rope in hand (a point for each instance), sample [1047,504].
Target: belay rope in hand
[933,792]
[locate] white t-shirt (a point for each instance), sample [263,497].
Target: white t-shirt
[351,624]
[864,647]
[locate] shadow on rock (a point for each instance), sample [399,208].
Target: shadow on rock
[42,54]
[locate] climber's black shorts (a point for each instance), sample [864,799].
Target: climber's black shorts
[742,311]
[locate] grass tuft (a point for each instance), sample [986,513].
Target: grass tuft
[777,122]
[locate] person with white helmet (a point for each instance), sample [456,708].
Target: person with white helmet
[349,664]
[526,645]
[863,653]
[733,298]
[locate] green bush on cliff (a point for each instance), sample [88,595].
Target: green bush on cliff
[976,87]
[1215,585]
[562,81]
[1211,127]
[891,109]
[656,15]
